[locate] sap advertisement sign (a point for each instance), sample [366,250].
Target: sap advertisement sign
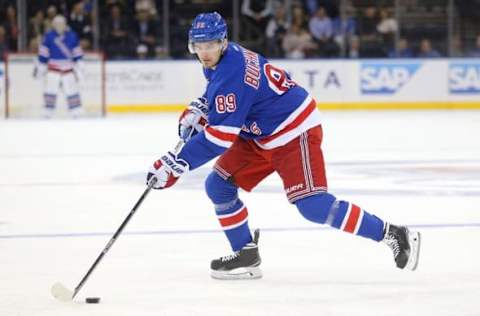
[386,78]
[464,77]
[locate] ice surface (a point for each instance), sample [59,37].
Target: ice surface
[66,185]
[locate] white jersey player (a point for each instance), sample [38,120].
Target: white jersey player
[59,61]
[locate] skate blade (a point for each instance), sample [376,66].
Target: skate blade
[414,240]
[238,274]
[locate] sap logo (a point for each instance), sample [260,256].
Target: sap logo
[464,78]
[385,78]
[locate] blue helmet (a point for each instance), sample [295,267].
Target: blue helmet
[207,27]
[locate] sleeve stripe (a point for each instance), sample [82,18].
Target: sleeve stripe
[77,51]
[218,136]
[218,133]
[44,51]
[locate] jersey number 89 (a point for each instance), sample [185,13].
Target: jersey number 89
[277,79]
[226,103]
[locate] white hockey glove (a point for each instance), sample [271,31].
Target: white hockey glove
[193,119]
[40,70]
[79,71]
[167,170]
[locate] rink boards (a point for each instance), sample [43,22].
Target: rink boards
[153,86]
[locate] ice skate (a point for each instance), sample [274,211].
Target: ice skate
[404,244]
[243,264]
[48,113]
[76,112]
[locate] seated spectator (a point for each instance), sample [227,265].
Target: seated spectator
[426,50]
[387,27]
[3,43]
[299,17]
[457,50]
[81,23]
[36,25]
[298,43]
[367,27]
[321,28]
[344,27]
[353,47]
[11,27]
[51,13]
[145,32]
[403,50]
[147,5]
[258,11]
[117,38]
[475,52]
[320,25]
[369,36]
[276,29]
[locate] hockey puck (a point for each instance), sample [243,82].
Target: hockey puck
[92,300]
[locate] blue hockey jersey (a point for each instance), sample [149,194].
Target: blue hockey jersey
[249,97]
[60,51]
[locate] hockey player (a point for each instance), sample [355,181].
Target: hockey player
[260,121]
[59,60]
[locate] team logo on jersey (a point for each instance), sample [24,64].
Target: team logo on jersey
[254,129]
[381,78]
[464,78]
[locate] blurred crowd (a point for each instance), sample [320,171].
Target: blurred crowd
[135,29]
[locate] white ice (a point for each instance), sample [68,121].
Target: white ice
[66,185]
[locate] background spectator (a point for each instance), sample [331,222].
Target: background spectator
[353,47]
[298,43]
[321,28]
[426,50]
[276,29]
[475,52]
[457,47]
[369,36]
[144,32]
[256,14]
[403,50]
[11,28]
[299,17]
[261,25]
[345,27]
[36,30]
[117,37]
[387,28]
[3,43]
[51,13]
[80,22]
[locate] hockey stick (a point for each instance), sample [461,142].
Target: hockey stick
[60,292]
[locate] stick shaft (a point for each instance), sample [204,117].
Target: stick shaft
[114,238]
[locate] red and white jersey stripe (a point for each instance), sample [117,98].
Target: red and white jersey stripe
[302,119]
[222,136]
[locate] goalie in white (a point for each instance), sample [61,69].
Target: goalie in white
[59,62]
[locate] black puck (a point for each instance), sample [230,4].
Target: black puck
[92,300]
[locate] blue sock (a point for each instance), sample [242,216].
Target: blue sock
[230,210]
[324,208]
